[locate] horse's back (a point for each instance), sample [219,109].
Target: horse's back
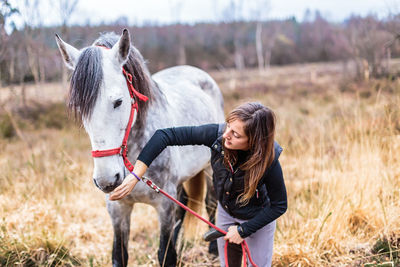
[187,85]
[185,73]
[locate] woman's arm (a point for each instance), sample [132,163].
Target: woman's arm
[178,136]
[190,135]
[278,202]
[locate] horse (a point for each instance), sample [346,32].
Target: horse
[177,96]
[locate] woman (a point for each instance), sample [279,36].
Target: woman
[247,175]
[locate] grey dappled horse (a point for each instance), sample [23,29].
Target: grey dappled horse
[178,96]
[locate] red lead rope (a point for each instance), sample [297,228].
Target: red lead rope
[245,248]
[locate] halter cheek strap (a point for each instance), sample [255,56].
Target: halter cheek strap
[123,149]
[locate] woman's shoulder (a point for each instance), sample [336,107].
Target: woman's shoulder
[278,150]
[217,143]
[221,128]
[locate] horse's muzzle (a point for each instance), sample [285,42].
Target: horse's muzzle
[110,187]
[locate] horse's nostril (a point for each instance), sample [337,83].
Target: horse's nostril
[117,177]
[94,181]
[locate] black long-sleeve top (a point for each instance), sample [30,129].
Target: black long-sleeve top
[269,201]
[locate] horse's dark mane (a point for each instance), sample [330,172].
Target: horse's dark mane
[85,82]
[88,76]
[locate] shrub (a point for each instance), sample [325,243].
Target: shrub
[6,127]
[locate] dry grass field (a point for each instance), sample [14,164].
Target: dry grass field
[341,162]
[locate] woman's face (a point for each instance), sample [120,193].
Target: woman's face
[234,136]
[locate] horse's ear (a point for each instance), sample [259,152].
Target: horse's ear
[69,53]
[122,47]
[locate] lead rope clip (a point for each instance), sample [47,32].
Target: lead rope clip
[151,184]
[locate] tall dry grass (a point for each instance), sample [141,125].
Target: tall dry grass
[341,163]
[343,176]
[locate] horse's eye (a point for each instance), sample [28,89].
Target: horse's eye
[117,103]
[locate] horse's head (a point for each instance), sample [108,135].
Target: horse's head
[99,94]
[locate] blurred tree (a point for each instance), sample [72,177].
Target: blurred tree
[233,15]
[176,10]
[6,12]
[122,21]
[392,47]
[30,53]
[272,30]
[259,12]
[367,37]
[66,9]
[32,21]
[287,35]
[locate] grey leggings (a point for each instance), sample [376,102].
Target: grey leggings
[260,243]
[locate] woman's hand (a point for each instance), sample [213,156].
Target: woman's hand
[125,188]
[129,182]
[233,235]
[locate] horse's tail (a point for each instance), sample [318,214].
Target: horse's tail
[195,190]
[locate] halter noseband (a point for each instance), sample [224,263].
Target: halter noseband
[123,149]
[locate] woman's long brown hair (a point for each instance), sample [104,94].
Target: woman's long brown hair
[259,126]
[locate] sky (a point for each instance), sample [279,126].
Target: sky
[139,12]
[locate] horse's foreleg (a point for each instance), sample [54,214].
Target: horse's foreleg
[166,252]
[120,214]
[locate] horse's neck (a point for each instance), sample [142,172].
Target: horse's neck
[153,119]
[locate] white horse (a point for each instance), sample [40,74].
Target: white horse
[178,96]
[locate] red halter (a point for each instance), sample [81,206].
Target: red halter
[123,149]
